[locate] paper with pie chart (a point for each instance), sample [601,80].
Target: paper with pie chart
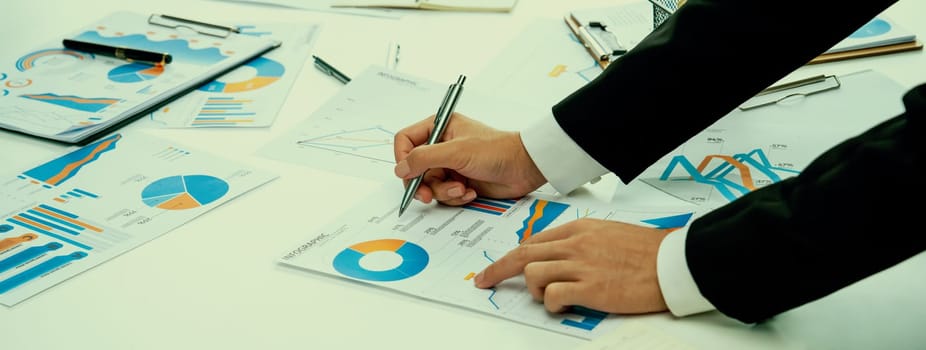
[250,95]
[434,251]
[64,94]
[71,213]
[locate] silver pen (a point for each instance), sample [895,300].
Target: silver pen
[441,119]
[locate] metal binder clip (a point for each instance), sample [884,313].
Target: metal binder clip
[606,39]
[196,26]
[600,42]
[802,88]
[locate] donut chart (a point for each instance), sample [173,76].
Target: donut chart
[184,192]
[268,71]
[52,57]
[414,260]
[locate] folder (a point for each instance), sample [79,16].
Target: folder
[74,97]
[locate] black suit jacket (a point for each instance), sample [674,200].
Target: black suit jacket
[842,219]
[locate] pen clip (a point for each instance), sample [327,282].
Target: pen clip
[803,87]
[203,28]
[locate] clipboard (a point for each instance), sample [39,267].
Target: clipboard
[796,89]
[75,97]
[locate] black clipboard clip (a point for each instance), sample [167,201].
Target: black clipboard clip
[203,28]
[601,43]
[798,88]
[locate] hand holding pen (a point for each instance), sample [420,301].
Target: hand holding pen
[440,124]
[471,159]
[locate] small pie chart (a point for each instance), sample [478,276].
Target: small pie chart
[135,72]
[184,192]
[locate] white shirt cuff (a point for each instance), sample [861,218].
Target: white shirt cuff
[678,287]
[562,162]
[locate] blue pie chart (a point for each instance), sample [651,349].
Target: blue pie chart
[414,260]
[183,192]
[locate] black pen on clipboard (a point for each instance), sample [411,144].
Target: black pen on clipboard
[125,53]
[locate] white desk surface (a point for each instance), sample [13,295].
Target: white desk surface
[211,285]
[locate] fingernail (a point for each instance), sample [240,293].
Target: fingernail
[470,195]
[417,197]
[478,279]
[455,192]
[402,169]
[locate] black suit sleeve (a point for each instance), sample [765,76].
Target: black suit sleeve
[842,219]
[695,68]
[845,217]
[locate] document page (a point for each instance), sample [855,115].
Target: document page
[434,251]
[750,149]
[250,96]
[67,215]
[352,133]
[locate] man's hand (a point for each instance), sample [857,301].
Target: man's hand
[472,159]
[604,265]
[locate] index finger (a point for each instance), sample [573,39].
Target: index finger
[410,137]
[514,262]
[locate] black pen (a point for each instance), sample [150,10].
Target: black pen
[128,54]
[328,69]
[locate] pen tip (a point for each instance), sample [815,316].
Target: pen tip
[401,211]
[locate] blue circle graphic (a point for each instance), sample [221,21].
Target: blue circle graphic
[5,228]
[414,260]
[875,27]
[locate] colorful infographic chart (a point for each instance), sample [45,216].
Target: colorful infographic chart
[250,95]
[435,251]
[65,95]
[57,171]
[413,260]
[95,202]
[184,192]
[727,176]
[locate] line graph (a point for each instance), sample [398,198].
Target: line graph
[728,175]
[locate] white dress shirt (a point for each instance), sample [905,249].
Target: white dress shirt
[566,166]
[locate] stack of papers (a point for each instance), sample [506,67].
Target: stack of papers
[879,36]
